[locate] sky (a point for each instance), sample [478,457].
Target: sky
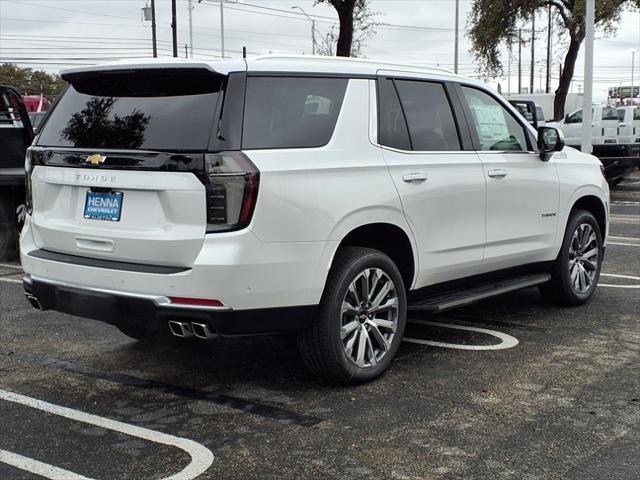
[54,34]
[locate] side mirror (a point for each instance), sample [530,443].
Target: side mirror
[550,140]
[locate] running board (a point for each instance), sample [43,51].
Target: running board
[459,298]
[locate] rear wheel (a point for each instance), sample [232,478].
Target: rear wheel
[577,269]
[361,320]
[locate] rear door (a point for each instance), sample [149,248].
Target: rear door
[16,133]
[119,165]
[522,190]
[608,125]
[437,174]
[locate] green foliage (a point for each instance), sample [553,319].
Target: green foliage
[495,22]
[31,82]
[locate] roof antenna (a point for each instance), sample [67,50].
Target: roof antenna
[244,52]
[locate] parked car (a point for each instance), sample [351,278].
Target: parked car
[16,134]
[321,196]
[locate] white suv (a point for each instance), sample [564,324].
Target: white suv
[313,195]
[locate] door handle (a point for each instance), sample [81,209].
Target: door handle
[498,173]
[414,177]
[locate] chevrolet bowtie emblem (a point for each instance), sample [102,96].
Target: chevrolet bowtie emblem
[95,159]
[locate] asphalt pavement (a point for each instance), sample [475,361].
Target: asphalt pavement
[511,388]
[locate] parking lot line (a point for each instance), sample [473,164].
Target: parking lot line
[507,341]
[616,275]
[201,456]
[11,280]
[38,468]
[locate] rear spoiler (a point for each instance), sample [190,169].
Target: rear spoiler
[220,67]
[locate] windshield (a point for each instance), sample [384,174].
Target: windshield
[136,111]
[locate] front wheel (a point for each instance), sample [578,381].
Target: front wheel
[577,269]
[361,319]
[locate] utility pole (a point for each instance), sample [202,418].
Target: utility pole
[154,37]
[633,65]
[549,56]
[186,51]
[222,28]
[455,52]
[509,77]
[313,29]
[519,61]
[587,113]
[191,27]
[174,27]
[533,50]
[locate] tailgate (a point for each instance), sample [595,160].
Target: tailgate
[162,216]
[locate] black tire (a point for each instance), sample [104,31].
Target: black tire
[561,289]
[321,347]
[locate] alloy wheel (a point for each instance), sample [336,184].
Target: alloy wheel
[370,312]
[583,258]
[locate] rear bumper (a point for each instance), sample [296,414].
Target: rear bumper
[152,313]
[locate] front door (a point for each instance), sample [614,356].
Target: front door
[522,190]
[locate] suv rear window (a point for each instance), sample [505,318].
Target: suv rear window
[149,110]
[291,112]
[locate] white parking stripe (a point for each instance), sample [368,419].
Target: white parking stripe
[38,468]
[11,265]
[507,340]
[615,275]
[624,244]
[626,239]
[201,457]
[10,280]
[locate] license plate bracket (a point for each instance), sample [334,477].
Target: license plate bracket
[101,205]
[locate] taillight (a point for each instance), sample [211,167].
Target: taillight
[232,190]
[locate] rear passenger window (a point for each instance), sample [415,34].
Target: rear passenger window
[392,127]
[291,112]
[429,116]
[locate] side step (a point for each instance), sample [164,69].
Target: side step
[459,298]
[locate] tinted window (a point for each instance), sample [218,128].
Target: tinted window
[287,112]
[575,117]
[636,114]
[497,129]
[392,126]
[609,114]
[429,116]
[145,110]
[621,113]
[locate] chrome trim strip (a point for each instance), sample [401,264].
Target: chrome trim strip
[158,300]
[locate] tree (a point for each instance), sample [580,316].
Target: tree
[493,22]
[357,24]
[31,82]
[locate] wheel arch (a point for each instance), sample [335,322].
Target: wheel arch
[596,207]
[389,238]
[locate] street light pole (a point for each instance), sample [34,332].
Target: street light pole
[313,28]
[174,28]
[222,28]
[154,38]
[455,51]
[633,66]
[191,27]
[587,109]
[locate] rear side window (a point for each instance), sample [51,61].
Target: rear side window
[392,126]
[143,110]
[636,114]
[291,112]
[609,114]
[621,114]
[429,116]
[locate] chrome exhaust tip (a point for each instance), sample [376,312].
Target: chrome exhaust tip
[180,329]
[201,330]
[35,303]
